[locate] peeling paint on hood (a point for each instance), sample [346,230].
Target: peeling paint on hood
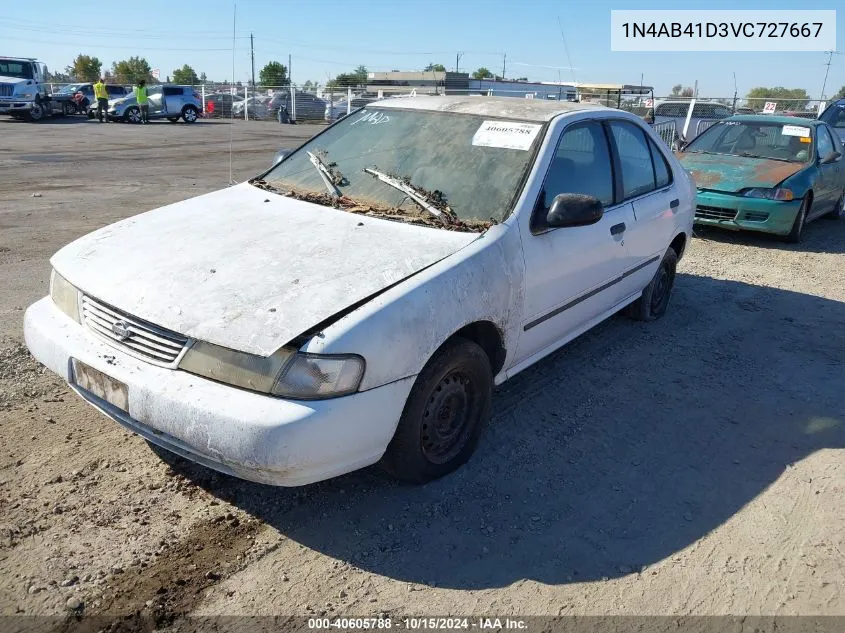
[245,268]
[726,172]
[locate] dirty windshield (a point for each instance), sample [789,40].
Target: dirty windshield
[777,141]
[442,168]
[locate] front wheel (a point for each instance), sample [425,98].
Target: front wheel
[189,114]
[37,112]
[444,414]
[132,115]
[794,236]
[654,300]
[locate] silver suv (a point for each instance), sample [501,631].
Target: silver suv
[165,102]
[677,111]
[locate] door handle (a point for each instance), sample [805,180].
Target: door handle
[616,229]
[674,204]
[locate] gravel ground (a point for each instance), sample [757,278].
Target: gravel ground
[689,466]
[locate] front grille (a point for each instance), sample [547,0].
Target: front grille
[754,216]
[714,213]
[6,90]
[144,340]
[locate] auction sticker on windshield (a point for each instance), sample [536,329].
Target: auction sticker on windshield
[795,130]
[506,134]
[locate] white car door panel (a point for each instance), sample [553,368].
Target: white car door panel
[572,274]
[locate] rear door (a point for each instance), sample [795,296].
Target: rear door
[173,100]
[646,183]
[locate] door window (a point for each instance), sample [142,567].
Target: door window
[581,165]
[170,91]
[662,172]
[634,157]
[825,143]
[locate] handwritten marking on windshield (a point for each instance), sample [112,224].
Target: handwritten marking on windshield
[373,118]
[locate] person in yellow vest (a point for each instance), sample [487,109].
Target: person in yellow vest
[102,97]
[143,101]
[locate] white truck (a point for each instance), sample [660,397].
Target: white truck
[24,92]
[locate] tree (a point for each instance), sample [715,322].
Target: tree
[203,78]
[840,94]
[307,85]
[273,75]
[61,78]
[357,78]
[786,98]
[185,76]
[132,70]
[86,68]
[482,73]
[681,91]
[438,68]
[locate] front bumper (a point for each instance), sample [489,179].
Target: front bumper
[746,214]
[7,107]
[248,435]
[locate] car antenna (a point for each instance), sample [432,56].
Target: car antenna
[232,122]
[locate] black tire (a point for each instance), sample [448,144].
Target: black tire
[132,114]
[838,211]
[794,236]
[654,300]
[37,113]
[91,114]
[444,414]
[190,114]
[173,119]
[68,108]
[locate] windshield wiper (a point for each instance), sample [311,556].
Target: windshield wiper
[325,174]
[783,160]
[411,191]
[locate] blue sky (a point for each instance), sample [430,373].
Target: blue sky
[325,37]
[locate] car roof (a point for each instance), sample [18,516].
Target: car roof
[782,120]
[538,110]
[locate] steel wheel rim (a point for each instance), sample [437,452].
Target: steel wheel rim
[446,425]
[36,111]
[190,115]
[134,115]
[660,290]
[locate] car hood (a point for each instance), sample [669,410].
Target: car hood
[247,269]
[724,172]
[13,80]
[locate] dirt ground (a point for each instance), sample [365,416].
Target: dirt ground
[689,466]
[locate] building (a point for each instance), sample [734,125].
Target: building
[439,82]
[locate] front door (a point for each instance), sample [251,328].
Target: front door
[155,103]
[571,273]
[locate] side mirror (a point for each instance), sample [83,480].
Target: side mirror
[830,158]
[574,209]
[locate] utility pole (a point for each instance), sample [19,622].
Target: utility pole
[252,55]
[458,61]
[504,61]
[290,81]
[736,91]
[824,84]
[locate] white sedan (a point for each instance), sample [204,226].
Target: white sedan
[358,302]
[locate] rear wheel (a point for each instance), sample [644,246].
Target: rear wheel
[654,300]
[838,211]
[444,414]
[794,236]
[189,114]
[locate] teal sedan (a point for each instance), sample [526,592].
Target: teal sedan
[766,173]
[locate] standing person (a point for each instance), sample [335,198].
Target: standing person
[143,103]
[102,97]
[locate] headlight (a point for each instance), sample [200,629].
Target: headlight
[25,95]
[64,295]
[286,373]
[769,194]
